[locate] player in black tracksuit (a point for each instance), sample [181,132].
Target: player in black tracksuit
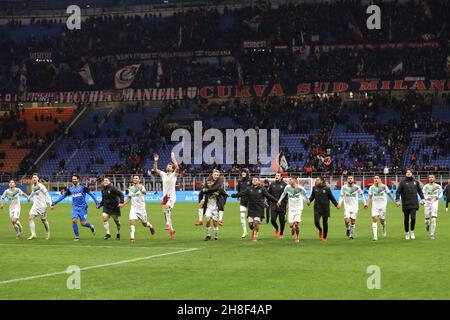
[111,198]
[276,189]
[255,195]
[447,195]
[322,195]
[242,185]
[408,190]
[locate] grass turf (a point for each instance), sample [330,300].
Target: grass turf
[230,268]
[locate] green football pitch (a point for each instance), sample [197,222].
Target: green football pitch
[231,268]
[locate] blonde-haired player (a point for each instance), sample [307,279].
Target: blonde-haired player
[169,181]
[136,194]
[432,192]
[296,194]
[377,195]
[41,198]
[12,194]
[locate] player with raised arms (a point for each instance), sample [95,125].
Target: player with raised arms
[79,205]
[12,194]
[169,181]
[136,195]
[41,199]
[377,196]
[242,186]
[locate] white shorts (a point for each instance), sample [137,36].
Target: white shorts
[379,211]
[256,219]
[41,212]
[14,213]
[431,211]
[214,214]
[350,214]
[242,209]
[294,215]
[138,215]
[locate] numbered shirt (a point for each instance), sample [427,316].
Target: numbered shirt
[295,196]
[432,190]
[13,196]
[379,194]
[40,195]
[169,181]
[349,195]
[137,197]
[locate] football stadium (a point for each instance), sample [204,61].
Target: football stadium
[224,150]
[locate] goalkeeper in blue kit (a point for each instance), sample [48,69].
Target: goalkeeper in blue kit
[79,205]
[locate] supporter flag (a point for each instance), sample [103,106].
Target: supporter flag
[279,163]
[428,36]
[86,75]
[180,36]
[239,74]
[397,67]
[253,23]
[159,72]
[125,76]
[355,31]
[22,86]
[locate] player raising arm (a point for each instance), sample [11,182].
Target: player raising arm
[79,205]
[169,181]
[12,194]
[136,195]
[377,196]
[41,198]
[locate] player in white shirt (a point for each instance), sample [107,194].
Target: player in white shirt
[350,197]
[296,194]
[136,194]
[377,195]
[169,181]
[212,210]
[432,192]
[12,194]
[41,198]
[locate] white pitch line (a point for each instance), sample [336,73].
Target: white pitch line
[31,245]
[97,266]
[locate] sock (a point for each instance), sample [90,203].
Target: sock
[208,231]
[106,226]
[149,225]
[32,228]
[132,230]
[88,225]
[168,219]
[16,227]
[244,226]
[200,214]
[433,225]
[46,226]
[216,232]
[117,225]
[75,229]
[220,215]
[19,225]
[347,225]
[375,229]
[352,229]
[297,230]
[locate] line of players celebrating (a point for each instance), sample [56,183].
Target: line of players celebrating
[252,199]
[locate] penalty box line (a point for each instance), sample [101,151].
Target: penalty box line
[98,266]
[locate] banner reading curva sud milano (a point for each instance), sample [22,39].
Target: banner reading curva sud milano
[232,91]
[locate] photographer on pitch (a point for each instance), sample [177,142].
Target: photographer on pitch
[407,190]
